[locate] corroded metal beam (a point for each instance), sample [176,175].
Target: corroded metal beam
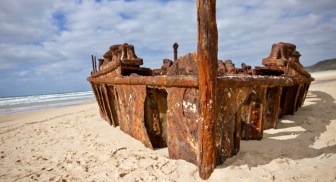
[113,66]
[207,48]
[191,81]
[157,81]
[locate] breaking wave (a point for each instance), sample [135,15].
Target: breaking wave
[11,105]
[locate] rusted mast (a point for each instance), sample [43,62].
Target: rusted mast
[207,48]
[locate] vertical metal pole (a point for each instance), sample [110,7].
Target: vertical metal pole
[175,46]
[207,48]
[93,67]
[95,63]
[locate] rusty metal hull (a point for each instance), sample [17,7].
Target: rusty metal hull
[166,110]
[183,118]
[167,115]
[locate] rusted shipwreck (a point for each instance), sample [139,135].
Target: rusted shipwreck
[196,105]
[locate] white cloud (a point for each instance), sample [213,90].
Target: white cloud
[33,41]
[25,21]
[246,34]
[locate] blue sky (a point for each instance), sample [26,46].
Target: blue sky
[45,45]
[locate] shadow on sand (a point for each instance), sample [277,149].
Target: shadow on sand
[296,137]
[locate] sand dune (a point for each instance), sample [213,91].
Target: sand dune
[74,143]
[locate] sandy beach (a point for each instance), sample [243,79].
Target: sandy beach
[75,144]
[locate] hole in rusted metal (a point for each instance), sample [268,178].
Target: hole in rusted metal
[156,116]
[250,117]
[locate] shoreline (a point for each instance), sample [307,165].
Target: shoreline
[74,143]
[44,112]
[24,104]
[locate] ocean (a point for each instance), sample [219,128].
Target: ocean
[20,104]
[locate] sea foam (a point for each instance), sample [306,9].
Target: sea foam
[11,105]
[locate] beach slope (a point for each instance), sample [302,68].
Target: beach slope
[74,143]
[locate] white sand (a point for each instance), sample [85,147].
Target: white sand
[74,143]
